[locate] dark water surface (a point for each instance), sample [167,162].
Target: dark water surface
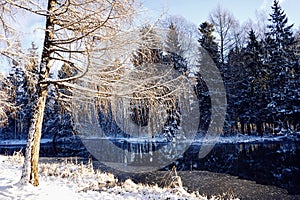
[256,170]
[271,163]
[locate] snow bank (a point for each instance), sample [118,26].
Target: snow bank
[77,181]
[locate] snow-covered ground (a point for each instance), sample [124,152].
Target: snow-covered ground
[77,181]
[239,138]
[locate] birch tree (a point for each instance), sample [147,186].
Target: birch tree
[223,22]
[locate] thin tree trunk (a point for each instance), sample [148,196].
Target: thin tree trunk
[242,127]
[222,49]
[259,128]
[30,166]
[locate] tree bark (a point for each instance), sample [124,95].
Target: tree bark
[30,166]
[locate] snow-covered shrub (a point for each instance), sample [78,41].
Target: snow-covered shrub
[81,181]
[17,158]
[84,175]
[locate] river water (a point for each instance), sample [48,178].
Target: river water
[252,170]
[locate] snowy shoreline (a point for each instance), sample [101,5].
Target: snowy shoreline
[77,181]
[218,140]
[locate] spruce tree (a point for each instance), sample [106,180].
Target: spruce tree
[175,58]
[207,41]
[256,81]
[174,53]
[18,120]
[236,83]
[282,64]
[30,84]
[17,97]
[150,48]
[149,52]
[65,123]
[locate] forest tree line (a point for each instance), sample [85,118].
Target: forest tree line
[260,70]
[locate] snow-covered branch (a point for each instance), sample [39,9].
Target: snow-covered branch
[4,103]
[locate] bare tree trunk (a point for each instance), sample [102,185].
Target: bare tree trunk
[30,166]
[222,46]
[223,22]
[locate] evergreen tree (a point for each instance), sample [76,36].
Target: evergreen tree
[30,82]
[5,106]
[150,48]
[148,52]
[17,124]
[208,41]
[174,57]
[245,81]
[51,122]
[283,66]
[20,95]
[235,80]
[172,42]
[203,96]
[14,126]
[257,77]
[64,122]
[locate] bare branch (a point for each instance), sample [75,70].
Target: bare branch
[17,4]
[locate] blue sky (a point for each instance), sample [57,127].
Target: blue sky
[197,11]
